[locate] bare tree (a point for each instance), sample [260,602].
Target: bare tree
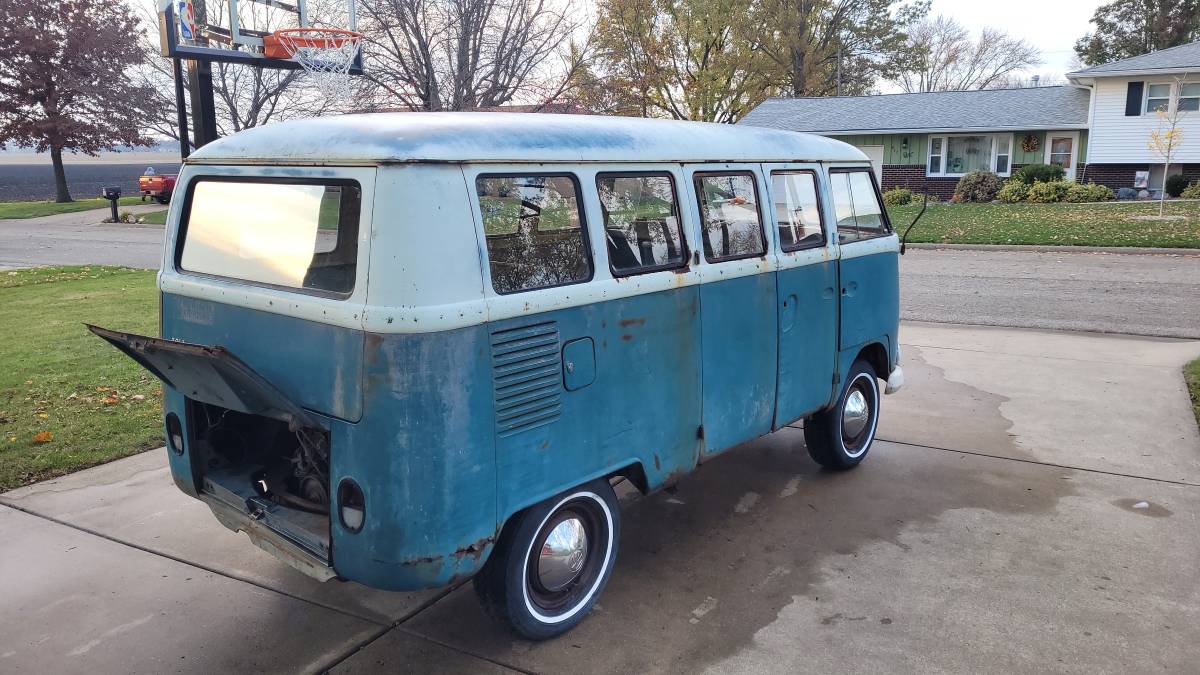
[466,54]
[942,56]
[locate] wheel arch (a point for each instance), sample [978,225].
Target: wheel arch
[876,354]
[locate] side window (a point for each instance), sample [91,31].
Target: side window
[796,209]
[856,204]
[729,216]
[534,232]
[867,211]
[641,222]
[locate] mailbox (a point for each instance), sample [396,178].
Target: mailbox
[112,192]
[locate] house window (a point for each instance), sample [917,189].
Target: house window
[1003,146]
[1158,97]
[1189,97]
[954,156]
[935,156]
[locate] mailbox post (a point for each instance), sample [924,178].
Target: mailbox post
[113,195]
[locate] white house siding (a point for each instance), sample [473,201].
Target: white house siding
[1117,139]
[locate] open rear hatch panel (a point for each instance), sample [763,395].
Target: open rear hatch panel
[258,453]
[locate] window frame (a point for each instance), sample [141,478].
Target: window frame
[583,226]
[762,233]
[1180,98]
[820,208]
[945,139]
[185,217]
[1146,109]
[685,249]
[887,222]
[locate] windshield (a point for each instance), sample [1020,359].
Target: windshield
[294,234]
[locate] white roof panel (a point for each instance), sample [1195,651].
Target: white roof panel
[508,137]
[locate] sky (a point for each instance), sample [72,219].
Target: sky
[1052,26]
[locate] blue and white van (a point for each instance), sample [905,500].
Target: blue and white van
[409,349]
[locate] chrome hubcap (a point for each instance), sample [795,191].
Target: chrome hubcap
[855,414]
[563,555]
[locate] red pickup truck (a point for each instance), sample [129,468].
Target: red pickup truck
[157,187]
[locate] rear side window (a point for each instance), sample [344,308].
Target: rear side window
[291,234]
[729,215]
[641,222]
[856,203]
[797,211]
[534,231]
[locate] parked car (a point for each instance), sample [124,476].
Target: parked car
[157,187]
[410,349]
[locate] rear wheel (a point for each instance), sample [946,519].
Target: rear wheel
[552,562]
[839,438]
[164,198]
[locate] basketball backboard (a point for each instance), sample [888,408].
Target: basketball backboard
[233,31]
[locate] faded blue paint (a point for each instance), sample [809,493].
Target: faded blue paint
[739,362]
[808,328]
[579,363]
[870,298]
[318,365]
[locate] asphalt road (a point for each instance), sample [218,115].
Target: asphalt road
[1153,295]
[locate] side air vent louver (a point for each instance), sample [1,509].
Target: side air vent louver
[527,376]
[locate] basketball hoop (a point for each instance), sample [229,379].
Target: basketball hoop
[326,54]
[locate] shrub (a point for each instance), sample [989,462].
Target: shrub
[1013,191]
[1191,191]
[1090,192]
[977,186]
[1044,173]
[1126,193]
[1175,185]
[1049,192]
[898,197]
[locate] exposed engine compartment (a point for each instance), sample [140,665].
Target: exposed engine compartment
[258,464]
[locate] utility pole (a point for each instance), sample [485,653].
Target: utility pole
[839,66]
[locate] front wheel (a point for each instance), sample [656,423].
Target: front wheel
[839,438]
[552,562]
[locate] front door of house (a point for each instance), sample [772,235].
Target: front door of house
[1060,149]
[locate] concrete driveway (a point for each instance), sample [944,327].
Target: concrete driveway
[81,238]
[1031,507]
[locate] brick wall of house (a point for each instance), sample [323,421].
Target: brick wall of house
[914,178]
[1115,176]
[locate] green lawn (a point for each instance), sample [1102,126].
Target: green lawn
[155,217]
[68,400]
[1191,374]
[1106,224]
[35,209]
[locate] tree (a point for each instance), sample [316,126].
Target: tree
[468,54]
[827,47]
[683,59]
[64,82]
[1126,28]
[1167,138]
[940,55]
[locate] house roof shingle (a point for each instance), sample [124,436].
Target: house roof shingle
[1172,58]
[1064,107]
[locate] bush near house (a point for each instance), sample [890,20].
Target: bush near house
[1048,192]
[1013,191]
[1087,192]
[977,186]
[898,197]
[1191,191]
[1039,173]
[1176,184]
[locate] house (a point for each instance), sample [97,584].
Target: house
[1097,127]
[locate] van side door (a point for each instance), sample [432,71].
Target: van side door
[869,260]
[807,289]
[737,304]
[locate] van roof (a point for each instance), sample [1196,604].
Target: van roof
[513,137]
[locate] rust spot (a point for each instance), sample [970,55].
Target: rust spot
[627,337]
[657,463]
[476,549]
[625,323]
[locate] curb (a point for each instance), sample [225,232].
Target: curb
[1114,250]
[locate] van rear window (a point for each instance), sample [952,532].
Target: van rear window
[292,234]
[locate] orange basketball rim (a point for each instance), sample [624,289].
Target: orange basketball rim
[283,43]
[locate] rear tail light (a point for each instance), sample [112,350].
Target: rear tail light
[352,505]
[175,434]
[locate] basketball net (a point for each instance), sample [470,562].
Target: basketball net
[325,54]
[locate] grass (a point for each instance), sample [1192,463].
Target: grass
[1105,224]
[1191,375]
[68,400]
[36,209]
[155,217]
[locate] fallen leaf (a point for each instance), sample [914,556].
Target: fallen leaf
[138,397]
[72,396]
[43,437]
[43,416]
[110,400]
